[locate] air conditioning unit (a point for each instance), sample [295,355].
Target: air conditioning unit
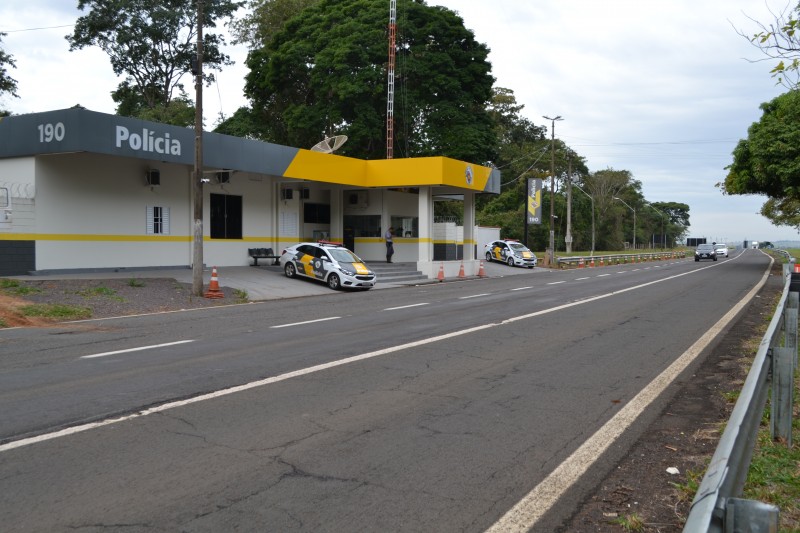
[287,194]
[223,177]
[153,177]
[357,199]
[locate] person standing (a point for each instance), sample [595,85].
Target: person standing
[389,245]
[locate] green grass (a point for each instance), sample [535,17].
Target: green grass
[240,295]
[101,291]
[629,522]
[14,287]
[56,311]
[135,282]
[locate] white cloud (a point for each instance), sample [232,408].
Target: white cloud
[663,89]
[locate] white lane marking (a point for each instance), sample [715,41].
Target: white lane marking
[473,296]
[556,282]
[581,279]
[325,366]
[521,288]
[621,272]
[139,349]
[603,275]
[530,509]
[306,322]
[404,307]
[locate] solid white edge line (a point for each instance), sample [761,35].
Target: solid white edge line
[306,322]
[152,347]
[521,288]
[530,509]
[556,282]
[310,370]
[473,296]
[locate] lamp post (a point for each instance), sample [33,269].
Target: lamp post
[634,220]
[592,199]
[551,251]
[663,235]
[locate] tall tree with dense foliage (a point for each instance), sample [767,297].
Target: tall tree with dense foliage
[325,73]
[8,85]
[264,19]
[768,161]
[152,43]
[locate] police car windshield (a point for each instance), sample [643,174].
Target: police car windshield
[343,255]
[517,246]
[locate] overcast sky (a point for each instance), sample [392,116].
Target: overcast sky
[664,89]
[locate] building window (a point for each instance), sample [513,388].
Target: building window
[405,226]
[157,220]
[226,216]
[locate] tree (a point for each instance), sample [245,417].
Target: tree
[768,161]
[152,43]
[7,83]
[264,19]
[325,73]
[779,40]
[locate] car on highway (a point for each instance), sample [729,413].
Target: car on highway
[721,249]
[328,262]
[705,251]
[510,252]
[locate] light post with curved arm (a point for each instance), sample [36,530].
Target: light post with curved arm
[592,199]
[634,220]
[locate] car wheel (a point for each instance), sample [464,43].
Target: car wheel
[290,270]
[488,256]
[510,261]
[334,282]
[715,259]
[530,267]
[697,260]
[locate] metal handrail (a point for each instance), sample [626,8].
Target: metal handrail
[581,261]
[717,506]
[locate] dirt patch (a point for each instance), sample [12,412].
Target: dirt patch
[103,298]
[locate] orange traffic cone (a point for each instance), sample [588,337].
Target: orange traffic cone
[440,277]
[592,263]
[481,272]
[213,287]
[461,270]
[797,267]
[602,262]
[581,263]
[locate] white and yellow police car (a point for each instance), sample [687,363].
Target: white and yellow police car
[510,252]
[329,262]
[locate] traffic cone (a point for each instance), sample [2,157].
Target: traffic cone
[461,270]
[440,277]
[213,287]
[591,264]
[797,268]
[602,262]
[481,272]
[581,264]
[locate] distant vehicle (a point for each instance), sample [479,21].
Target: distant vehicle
[705,251]
[510,252]
[328,262]
[721,249]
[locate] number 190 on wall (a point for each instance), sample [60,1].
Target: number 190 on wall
[51,132]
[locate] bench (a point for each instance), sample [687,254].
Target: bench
[262,253]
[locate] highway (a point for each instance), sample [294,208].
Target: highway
[494,403]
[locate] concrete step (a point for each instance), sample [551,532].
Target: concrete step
[396,272]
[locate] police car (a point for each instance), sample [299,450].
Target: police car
[329,262]
[510,252]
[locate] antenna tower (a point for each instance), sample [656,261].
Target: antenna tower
[390,95]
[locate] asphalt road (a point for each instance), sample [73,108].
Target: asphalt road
[431,408]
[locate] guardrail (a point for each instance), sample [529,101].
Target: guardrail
[616,259]
[717,506]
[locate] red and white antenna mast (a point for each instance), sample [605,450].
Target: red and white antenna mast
[390,95]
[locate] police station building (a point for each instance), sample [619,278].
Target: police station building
[88,191]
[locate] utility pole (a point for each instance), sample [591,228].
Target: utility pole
[568,238]
[197,184]
[390,90]
[552,250]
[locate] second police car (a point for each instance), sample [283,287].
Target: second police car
[329,262]
[510,252]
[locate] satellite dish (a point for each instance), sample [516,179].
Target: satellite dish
[330,144]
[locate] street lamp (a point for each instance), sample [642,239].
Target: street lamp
[592,199]
[552,120]
[663,236]
[634,220]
